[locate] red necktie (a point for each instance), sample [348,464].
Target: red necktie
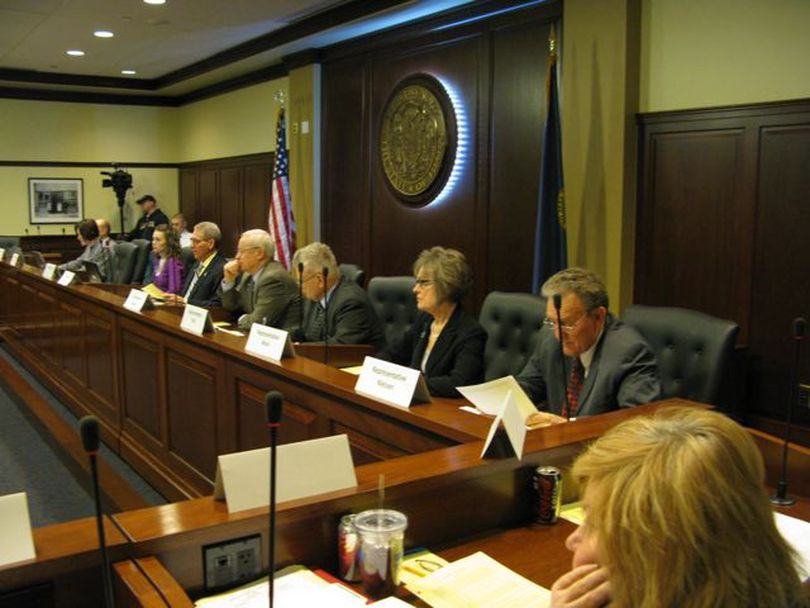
[575,380]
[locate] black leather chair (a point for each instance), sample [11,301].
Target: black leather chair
[122,262]
[187,255]
[141,259]
[35,259]
[694,350]
[353,273]
[512,321]
[7,242]
[395,304]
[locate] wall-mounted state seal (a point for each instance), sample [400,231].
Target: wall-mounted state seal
[416,135]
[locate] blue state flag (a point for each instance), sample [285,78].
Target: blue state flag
[550,248]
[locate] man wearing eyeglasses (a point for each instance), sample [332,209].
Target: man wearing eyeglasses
[258,287]
[335,309]
[606,365]
[201,287]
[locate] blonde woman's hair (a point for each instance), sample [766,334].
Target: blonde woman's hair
[680,514]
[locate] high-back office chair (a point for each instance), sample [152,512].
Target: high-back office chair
[141,259]
[7,242]
[694,350]
[187,255]
[353,273]
[513,322]
[122,262]
[394,303]
[35,259]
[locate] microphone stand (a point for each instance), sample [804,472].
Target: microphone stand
[325,316]
[781,498]
[273,402]
[88,429]
[557,305]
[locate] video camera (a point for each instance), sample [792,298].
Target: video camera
[120,181]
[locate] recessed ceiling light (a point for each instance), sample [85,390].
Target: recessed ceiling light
[155,1]
[129,72]
[75,53]
[103,34]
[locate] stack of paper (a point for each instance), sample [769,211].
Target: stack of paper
[478,581]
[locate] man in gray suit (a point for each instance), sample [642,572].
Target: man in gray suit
[606,365]
[257,286]
[335,309]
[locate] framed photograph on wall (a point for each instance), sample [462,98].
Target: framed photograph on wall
[55,200]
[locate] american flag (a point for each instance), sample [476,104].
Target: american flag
[280,218]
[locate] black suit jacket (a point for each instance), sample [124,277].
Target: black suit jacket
[351,318]
[457,358]
[205,290]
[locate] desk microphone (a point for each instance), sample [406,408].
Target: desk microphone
[781,498]
[301,295]
[88,429]
[325,316]
[273,402]
[557,305]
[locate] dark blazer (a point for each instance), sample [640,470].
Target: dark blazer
[351,318]
[206,290]
[274,299]
[623,373]
[457,358]
[146,225]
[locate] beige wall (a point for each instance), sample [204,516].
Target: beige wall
[233,124]
[699,53]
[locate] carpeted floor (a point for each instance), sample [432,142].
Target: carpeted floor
[30,462]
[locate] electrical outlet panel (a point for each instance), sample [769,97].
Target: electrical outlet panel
[804,395]
[233,562]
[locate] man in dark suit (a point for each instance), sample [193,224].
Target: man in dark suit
[152,217]
[257,287]
[201,287]
[607,365]
[350,318]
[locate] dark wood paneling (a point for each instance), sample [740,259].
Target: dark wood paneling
[208,207]
[192,439]
[496,69]
[141,375]
[189,204]
[102,375]
[72,347]
[782,252]
[256,188]
[723,213]
[230,207]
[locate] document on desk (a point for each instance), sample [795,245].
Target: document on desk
[478,581]
[797,533]
[489,397]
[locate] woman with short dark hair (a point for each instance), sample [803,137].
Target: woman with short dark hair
[88,235]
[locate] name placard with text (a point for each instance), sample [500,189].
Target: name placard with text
[390,383]
[137,301]
[268,342]
[196,320]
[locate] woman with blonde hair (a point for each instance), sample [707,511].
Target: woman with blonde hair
[677,516]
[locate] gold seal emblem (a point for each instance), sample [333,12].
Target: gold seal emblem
[413,140]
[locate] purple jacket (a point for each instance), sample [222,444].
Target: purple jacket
[171,279]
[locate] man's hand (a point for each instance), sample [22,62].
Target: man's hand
[175,298]
[231,270]
[586,586]
[538,420]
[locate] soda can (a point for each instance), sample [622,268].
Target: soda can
[547,483]
[348,542]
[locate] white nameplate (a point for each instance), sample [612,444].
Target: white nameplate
[49,271]
[305,468]
[137,300]
[15,259]
[196,320]
[67,278]
[269,343]
[514,424]
[15,529]
[391,383]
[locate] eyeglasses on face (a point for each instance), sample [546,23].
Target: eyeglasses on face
[567,328]
[424,282]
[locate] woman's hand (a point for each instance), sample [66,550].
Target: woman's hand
[586,586]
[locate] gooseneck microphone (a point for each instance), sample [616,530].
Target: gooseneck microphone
[273,402]
[781,498]
[301,295]
[88,429]
[557,305]
[325,334]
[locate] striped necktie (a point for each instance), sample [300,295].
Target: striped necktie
[575,380]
